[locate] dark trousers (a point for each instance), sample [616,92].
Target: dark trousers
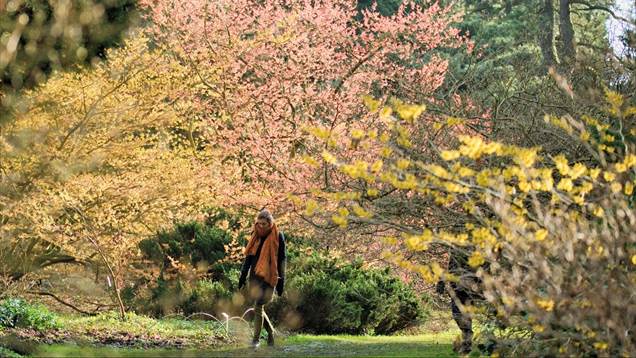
[261,293]
[463,319]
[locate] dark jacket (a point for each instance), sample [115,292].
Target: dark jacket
[249,265]
[469,285]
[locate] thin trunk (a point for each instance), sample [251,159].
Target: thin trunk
[566,49]
[120,302]
[546,35]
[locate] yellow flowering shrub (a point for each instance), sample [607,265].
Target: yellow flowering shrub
[552,240]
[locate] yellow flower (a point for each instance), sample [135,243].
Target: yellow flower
[601,346]
[372,192]
[476,259]
[526,157]
[328,157]
[586,188]
[579,200]
[614,98]
[376,166]
[483,178]
[451,121]
[385,112]
[620,167]
[561,164]
[449,154]
[357,133]
[403,164]
[371,103]
[494,148]
[473,147]
[547,305]
[565,184]
[361,212]
[343,212]
[455,188]
[577,170]
[630,160]
[439,171]
[594,173]
[415,243]
[616,187]
[633,259]
[409,112]
[339,220]
[541,234]
[465,172]
[311,207]
[310,161]
[598,212]
[607,138]
[390,240]
[609,176]
[524,186]
[319,132]
[538,328]
[585,135]
[615,101]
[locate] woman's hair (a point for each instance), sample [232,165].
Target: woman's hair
[266,215]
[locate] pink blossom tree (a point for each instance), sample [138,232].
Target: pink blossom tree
[269,69]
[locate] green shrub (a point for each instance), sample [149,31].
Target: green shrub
[209,251]
[7,353]
[331,296]
[16,312]
[205,297]
[193,242]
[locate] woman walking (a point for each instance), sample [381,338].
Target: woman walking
[265,261]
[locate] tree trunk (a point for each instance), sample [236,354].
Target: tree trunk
[566,49]
[546,35]
[508,7]
[116,288]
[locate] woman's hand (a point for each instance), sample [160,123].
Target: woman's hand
[241,282]
[280,286]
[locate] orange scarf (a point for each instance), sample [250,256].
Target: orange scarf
[267,264]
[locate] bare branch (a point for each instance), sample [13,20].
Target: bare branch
[592,7]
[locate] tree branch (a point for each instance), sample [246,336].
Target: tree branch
[42,293]
[606,9]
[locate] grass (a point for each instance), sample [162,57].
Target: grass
[140,336]
[145,327]
[106,333]
[427,345]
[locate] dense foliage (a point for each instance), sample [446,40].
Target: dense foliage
[333,296]
[16,312]
[192,267]
[557,235]
[503,129]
